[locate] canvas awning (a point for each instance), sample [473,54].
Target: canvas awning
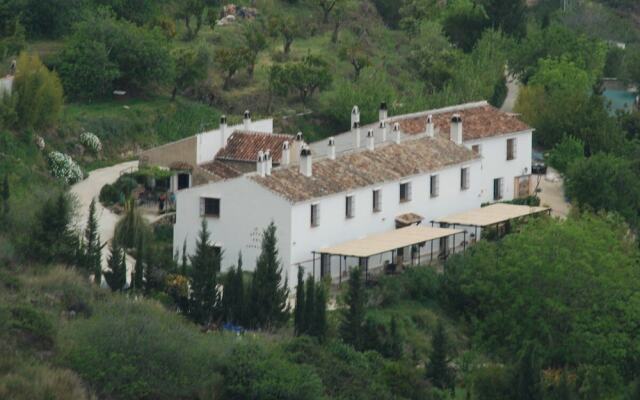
[490,215]
[388,241]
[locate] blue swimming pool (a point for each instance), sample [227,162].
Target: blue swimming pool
[620,99]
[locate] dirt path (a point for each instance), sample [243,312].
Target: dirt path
[89,189]
[552,193]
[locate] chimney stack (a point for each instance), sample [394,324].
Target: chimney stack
[305,162]
[396,133]
[382,113]
[332,148]
[356,134]
[355,115]
[430,128]
[383,128]
[285,159]
[247,120]
[371,140]
[297,147]
[268,162]
[223,131]
[456,129]
[260,164]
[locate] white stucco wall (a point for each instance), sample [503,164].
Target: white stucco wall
[209,143]
[495,164]
[245,211]
[334,228]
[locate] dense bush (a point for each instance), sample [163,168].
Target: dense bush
[565,152]
[91,141]
[64,168]
[132,350]
[32,325]
[529,288]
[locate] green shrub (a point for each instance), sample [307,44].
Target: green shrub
[564,153]
[491,382]
[253,373]
[33,324]
[40,382]
[136,349]
[109,195]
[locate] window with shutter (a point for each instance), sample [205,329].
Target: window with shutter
[511,149]
[464,178]
[376,200]
[433,186]
[405,192]
[210,207]
[315,215]
[349,207]
[498,188]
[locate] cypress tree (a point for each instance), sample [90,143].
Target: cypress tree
[309,307]
[395,341]
[91,255]
[233,299]
[149,279]
[117,275]
[5,194]
[51,239]
[299,313]
[268,292]
[138,271]
[527,377]
[319,319]
[351,328]
[205,264]
[438,371]
[183,267]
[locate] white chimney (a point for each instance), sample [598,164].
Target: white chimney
[305,162]
[355,115]
[456,129]
[430,128]
[268,162]
[382,113]
[396,133]
[371,140]
[223,131]
[332,148]
[285,159]
[356,134]
[260,164]
[247,120]
[383,128]
[298,144]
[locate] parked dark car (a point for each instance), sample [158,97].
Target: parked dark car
[538,167]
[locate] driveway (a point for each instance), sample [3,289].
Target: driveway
[513,89]
[89,189]
[551,193]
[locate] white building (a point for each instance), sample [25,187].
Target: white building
[369,180]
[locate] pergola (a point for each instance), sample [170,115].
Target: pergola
[492,215]
[386,242]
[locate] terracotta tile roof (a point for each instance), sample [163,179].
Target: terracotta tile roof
[219,170]
[180,166]
[244,146]
[477,122]
[389,162]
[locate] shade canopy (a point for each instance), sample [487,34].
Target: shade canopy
[388,241]
[490,215]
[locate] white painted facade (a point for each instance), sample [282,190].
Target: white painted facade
[246,208]
[493,151]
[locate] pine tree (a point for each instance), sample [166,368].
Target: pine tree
[117,275]
[527,377]
[395,341]
[268,292]
[138,271]
[52,240]
[299,313]
[205,264]
[438,371]
[319,318]
[351,328]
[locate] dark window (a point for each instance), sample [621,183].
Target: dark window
[315,215]
[349,210]
[476,148]
[210,207]
[497,188]
[405,192]
[511,149]
[183,181]
[376,200]
[464,179]
[434,186]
